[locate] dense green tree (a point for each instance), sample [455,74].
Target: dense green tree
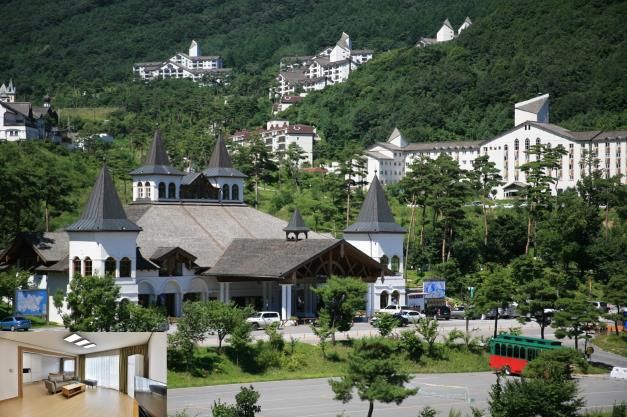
[224,319]
[135,318]
[575,318]
[485,178]
[92,303]
[341,299]
[245,405]
[10,281]
[254,160]
[194,323]
[616,293]
[495,291]
[373,371]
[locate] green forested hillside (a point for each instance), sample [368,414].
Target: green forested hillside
[47,45]
[575,50]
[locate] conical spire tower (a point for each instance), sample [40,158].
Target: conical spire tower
[220,164]
[296,226]
[375,215]
[157,161]
[103,212]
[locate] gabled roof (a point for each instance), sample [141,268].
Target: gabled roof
[296,224]
[220,164]
[49,246]
[278,258]
[165,251]
[467,20]
[447,23]
[157,161]
[344,41]
[103,211]
[375,214]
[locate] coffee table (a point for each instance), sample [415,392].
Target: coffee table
[71,390]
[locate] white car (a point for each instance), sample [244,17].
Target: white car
[394,308]
[263,319]
[411,317]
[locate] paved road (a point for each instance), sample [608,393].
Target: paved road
[314,398]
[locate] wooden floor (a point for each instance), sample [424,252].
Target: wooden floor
[99,402]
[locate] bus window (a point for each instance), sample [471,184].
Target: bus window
[516,352]
[510,351]
[523,353]
[497,350]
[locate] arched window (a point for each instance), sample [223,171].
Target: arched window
[516,144]
[161,190]
[395,297]
[383,299]
[87,263]
[225,192]
[396,263]
[140,190]
[110,266]
[171,190]
[384,261]
[538,141]
[235,192]
[125,267]
[147,190]
[76,265]
[527,144]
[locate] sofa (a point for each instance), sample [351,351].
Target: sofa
[56,381]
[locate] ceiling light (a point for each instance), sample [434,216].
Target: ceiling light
[89,346]
[82,342]
[72,338]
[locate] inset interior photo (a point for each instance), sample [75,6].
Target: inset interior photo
[60,373]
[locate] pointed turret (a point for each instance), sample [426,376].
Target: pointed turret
[220,164]
[375,214]
[447,23]
[103,212]
[157,161]
[396,138]
[296,226]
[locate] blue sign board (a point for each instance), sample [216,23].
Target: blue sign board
[31,302]
[434,289]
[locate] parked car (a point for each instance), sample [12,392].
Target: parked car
[375,320]
[438,312]
[394,308]
[600,305]
[410,317]
[460,313]
[14,323]
[263,319]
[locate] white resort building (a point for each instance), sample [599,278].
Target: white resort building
[445,33]
[331,66]
[192,65]
[23,120]
[192,237]
[278,135]
[391,160]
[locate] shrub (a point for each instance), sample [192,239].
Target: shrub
[411,345]
[275,339]
[386,323]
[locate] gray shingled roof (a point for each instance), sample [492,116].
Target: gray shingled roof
[375,214]
[220,164]
[157,161]
[50,246]
[296,224]
[103,211]
[204,230]
[267,258]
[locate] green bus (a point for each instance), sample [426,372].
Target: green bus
[511,354]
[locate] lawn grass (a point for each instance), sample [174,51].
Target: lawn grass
[307,362]
[39,322]
[87,113]
[612,343]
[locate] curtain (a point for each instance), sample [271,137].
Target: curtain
[104,368]
[81,367]
[124,354]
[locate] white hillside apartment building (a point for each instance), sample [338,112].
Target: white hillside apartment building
[445,33]
[192,65]
[331,66]
[390,160]
[279,135]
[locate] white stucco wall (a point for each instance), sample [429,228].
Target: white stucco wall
[8,369]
